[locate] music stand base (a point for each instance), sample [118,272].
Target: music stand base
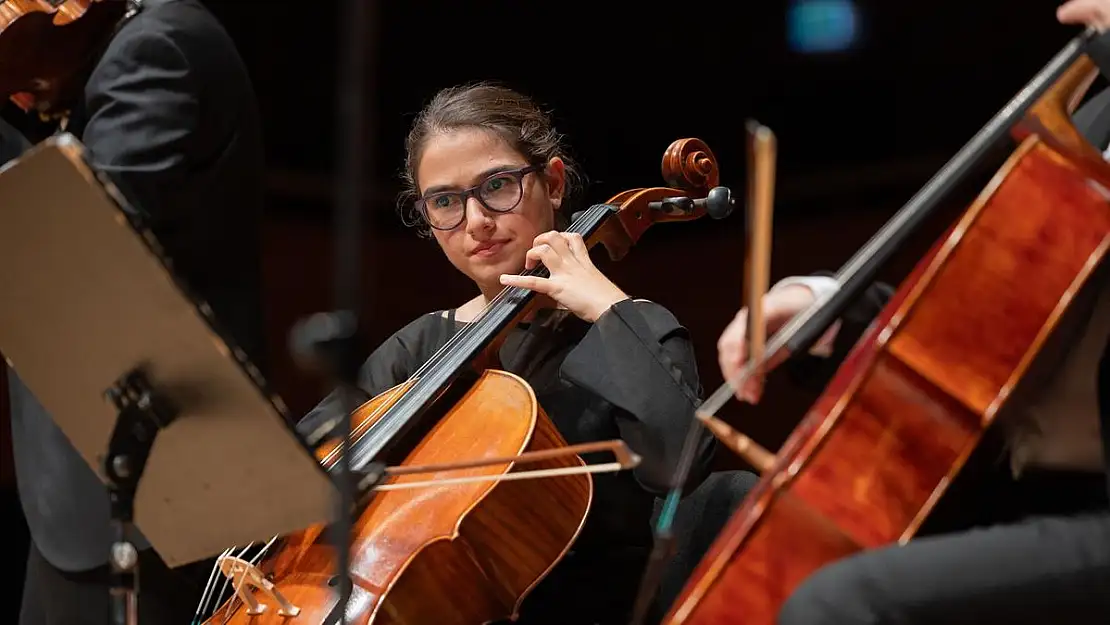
[141,414]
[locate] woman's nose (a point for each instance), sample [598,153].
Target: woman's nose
[476,214]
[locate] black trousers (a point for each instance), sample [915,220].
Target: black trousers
[1032,570]
[54,597]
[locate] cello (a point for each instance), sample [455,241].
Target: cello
[45,45]
[878,449]
[466,544]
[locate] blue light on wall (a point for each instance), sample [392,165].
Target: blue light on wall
[815,26]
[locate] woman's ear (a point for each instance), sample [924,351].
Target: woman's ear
[556,176]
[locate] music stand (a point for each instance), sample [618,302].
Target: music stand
[96,324]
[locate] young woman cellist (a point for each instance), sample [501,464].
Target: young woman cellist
[486,177]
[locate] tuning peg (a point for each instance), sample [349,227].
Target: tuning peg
[718,204]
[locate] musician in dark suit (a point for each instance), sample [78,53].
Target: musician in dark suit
[167,109]
[1041,553]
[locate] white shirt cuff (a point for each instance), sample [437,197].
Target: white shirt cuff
[823,287]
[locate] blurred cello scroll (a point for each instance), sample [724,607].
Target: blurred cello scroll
[910,403]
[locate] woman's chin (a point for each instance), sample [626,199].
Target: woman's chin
[490,273]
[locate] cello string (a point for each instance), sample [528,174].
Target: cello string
[478,328]
[202,605]
[253,562]
[238,588]
[470,335]
[865,262]
[863,265]
[209,593]
[214,596]
[227,580]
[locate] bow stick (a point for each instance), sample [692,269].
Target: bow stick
[757,261]
[625,459]
[762,150]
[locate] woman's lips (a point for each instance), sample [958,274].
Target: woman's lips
[487,250]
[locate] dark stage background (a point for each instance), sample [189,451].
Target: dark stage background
[859,132]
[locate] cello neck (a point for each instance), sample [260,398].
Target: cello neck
[458,357]
[1058,76]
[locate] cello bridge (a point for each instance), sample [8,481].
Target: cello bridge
[245,578]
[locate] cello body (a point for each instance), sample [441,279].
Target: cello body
[876,452]
[484,544]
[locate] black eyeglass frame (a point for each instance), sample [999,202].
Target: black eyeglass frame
[464,196]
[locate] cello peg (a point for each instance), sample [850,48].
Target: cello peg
[719,203]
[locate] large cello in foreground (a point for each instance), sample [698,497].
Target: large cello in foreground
[911,402]
[444,546]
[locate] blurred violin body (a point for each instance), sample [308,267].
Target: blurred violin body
[46,45]
[911,402]
[463,553]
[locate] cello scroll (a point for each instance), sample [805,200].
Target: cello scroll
[689,164]
[690,167]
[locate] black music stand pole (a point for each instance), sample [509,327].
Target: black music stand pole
[331,341]
[141,413]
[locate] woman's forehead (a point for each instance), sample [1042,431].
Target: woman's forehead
[459,158]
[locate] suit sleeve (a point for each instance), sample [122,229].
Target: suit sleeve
[12,143]
[640,360]
[814,371]
[142,107]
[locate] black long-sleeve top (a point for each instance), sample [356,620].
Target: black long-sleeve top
[630,375]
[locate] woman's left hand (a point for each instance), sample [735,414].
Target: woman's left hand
[575,282]
[1086,12]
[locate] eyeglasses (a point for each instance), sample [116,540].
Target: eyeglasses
[500,193]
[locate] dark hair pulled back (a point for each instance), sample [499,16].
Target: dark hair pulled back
[510,115]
